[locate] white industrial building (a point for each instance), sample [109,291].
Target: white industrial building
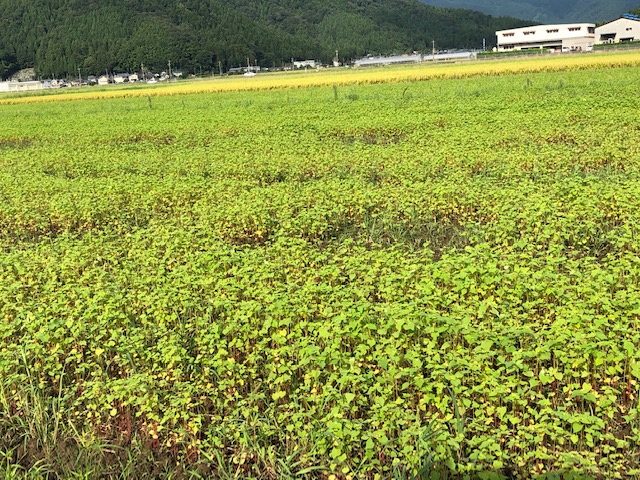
[561,38]
[20,86]
[625,29]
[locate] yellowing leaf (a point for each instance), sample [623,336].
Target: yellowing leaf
[278,395]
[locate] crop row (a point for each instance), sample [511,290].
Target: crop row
[362,76]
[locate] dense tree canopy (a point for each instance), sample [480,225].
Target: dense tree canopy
[60,37]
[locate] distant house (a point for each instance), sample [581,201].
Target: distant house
[561,38]
[57,83]
[103,80]
[121,78]
[134,77]
[305,64]
[625,29]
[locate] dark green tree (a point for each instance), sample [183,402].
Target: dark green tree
[8,64]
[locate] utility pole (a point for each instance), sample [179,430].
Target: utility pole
[169,70]
[433,50]
[79,77]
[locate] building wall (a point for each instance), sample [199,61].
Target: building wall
[20,86]
[559,37]
[621,30]
[578,44]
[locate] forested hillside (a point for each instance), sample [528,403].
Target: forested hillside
[546,11]
[58,37]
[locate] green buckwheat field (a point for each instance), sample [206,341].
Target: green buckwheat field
[402,279]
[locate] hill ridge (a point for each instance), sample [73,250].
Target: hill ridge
[546,11]
[64,37]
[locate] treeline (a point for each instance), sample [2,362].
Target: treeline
[62,37]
